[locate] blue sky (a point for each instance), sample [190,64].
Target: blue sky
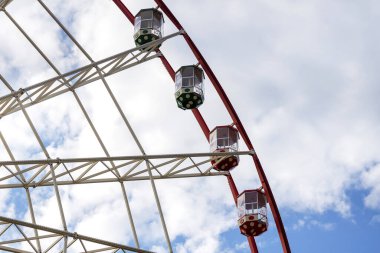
[302,75]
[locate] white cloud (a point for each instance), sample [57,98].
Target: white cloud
[324,226]
[312,223]
[299,224]
[371,180]
[242,246]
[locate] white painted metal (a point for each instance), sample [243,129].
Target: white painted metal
[4,3]
[95,169]
[90,170]
[56,233]
[77,78]
[30,205]
[56,190]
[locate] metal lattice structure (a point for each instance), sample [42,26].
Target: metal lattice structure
[57,172]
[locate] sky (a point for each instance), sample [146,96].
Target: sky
[302,76]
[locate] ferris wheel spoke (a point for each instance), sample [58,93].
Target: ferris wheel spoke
[149,47]
[43,148]
[157,199]
[98,72]
[25,237]
[27,191]
[19,235]
[70,171]
[54,243]
[13,250]
[74,79]
[4,3]
[32,238]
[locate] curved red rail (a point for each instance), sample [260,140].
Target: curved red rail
[234,117]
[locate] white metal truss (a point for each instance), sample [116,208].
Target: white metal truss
[36,173]
[74,79]
[4,3]
[48,172]
[54,238]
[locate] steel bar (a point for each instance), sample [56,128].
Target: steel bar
[118,64]
[98,71]
[85,75]
[139,175]
[39,140]
[112,180]
[29,238]
[71,235]
[32,214]
[118,108]
[105,83]
[4,3]
[84,247]
[53,244]
[164,169]
[68,244]
[129,212]
[175,167]
[123,158]
[26,238]
[9,249]
[5,229]
[163,223]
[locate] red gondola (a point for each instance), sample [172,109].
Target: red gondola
[252,212]
[224,139]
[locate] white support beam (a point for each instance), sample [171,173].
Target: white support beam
[91,170]
[123,158]
[61,84]
[4,3]
[102,244]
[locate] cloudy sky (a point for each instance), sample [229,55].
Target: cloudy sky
[302,75]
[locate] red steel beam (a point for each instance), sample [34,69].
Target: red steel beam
[125,10]
[234,190]
[237,122]
[196,113]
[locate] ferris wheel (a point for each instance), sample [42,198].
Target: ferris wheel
[41,174]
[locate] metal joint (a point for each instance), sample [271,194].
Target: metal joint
[19,93]
[227,174]
[182,31]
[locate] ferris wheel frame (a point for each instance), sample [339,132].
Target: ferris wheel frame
[23,98]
